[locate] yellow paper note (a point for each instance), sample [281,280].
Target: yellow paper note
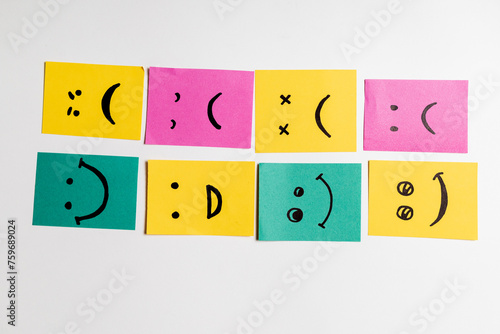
[305,111]
[200,197]
[423,199]
[93,100]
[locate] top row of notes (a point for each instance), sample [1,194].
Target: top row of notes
[295,110]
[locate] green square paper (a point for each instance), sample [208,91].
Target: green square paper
[295,202]
[86,191]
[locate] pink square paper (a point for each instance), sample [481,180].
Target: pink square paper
[194,107]
[416,115]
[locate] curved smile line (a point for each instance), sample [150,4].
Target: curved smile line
[106,192]
[106,101]
[320,177]
[444,198]
[424,117]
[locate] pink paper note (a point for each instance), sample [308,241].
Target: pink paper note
[416,115]
[195,107]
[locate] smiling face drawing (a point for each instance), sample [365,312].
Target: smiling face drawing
[423,199]
[305,110]
[93,100]
[85,191]
[200,197]
[416,115]
[199,107]
[309,202]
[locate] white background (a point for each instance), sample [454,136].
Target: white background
[203,284]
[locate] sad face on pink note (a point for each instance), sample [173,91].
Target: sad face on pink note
[416,115]
[194,107]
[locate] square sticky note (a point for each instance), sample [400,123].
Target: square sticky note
[416,115]
[200,197]
[86,191]
[197,107]
[309,201]
[102,101]
[305,111]
[423,199]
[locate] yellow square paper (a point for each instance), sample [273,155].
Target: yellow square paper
[102,101]
[423,199]
[200,197]
[305,111]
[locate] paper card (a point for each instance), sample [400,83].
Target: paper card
[200,197]
[416,115]
[102,101]
[309,202]
[86,191]
[423,199]
[305,111]
[199,107]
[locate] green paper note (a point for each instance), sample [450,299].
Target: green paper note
[319,202]
[88,191]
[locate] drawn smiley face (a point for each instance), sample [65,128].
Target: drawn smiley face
[209,191]
[210,112]
[295,215]
[85,191]
[309,201]
[93,100]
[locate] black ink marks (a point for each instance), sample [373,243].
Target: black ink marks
[424,117]
[405,188]
[285,99]
[173,124]
[318,116]
[295,215]
[106,101]
[72,97]
[394,128]
[177,97]
[211,189]
[283,129]
[210,112]
[444,198]
[320,177]
[104,182]
[405,212]
[175,185]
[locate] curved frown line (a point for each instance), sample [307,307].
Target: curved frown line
[318,116]
[104,182]
[320,177]
[106,101]
[424,117]
[210,112]
[444,198]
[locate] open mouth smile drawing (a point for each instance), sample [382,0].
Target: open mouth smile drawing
[405,188]
[104,182]
[210,190]
[105,103]
[295,215]
[423,117]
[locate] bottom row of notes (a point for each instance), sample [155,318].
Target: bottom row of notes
[296,201]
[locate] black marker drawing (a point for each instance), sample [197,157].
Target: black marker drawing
[211,189]
[283,129]
[177,97]
[106,101]
[295,215]
[423,118]
[318,116]
[104,182]
[210,111]
[72,97]
[285,99]
[175,185]
[405,188]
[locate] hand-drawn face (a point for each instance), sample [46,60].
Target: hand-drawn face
[415,115]
[309,201]
[200,197]
[199,107]
[423,199]
[293,105]
[93,100]
[85,191]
